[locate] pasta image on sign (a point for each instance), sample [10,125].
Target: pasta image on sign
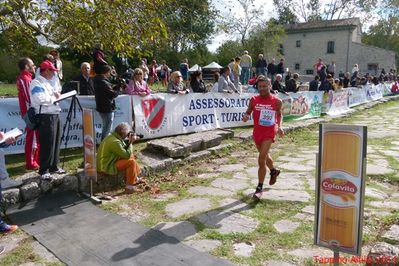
[340,189]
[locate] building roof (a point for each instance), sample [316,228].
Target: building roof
[324,24]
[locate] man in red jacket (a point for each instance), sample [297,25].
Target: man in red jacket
[27,69]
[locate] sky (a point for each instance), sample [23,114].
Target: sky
[223,5]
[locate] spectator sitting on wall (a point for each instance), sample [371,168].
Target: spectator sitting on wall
[196,82]
[252,80]
[224,83]
[278,86]
[375,81]
[116,154]
[291,84]
[337,85]
[395,86]
[176,84]
[327,84]
[137,85]
[314,84]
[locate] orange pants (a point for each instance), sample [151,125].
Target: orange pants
[132,169]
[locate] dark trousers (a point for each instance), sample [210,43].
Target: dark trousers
[50,141]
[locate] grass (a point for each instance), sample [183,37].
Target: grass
[8,90]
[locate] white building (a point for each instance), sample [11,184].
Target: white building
[335,40]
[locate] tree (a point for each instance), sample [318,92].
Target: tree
[227,51]
[285,12]
[242,23]
[385,34]
[266,40]
[121,26]
[189,23]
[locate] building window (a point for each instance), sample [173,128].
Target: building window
[298,43]
[372,68]
[330,47]
[297,66]
[309,72]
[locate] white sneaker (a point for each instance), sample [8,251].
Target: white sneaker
[9,183]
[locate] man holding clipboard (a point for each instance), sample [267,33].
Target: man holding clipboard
[44,99]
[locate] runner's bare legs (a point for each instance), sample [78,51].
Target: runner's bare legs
[263,160]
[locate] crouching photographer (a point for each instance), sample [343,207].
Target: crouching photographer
[116,154]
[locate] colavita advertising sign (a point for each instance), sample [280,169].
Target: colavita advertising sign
[89,144]
[340,187]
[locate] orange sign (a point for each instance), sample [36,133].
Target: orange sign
[340,190]
[89,144]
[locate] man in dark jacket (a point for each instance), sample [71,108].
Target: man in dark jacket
[86,86]
[272,69]
[314,84]
[291,84]
[261,66]
[280,67]
[105,99]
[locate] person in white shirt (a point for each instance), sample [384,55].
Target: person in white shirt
[43,98]
[224,83]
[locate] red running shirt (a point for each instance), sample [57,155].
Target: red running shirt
[265,117]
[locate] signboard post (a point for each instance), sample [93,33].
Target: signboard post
[89,149]
[340,188]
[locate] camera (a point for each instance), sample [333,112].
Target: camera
[131,133]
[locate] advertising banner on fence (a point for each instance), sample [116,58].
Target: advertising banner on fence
[356,96]
[340,187]
[164,114]
[302,105]
[10,118]
[339,103]
[374,92]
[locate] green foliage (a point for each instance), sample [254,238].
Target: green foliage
[265,40]
[385,34]
[227,51]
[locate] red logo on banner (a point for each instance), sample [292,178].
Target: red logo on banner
[338,185]
[154,111]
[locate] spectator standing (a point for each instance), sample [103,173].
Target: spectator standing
[43,99]
[27,69]
[176,84]
[153,72]
[137,85]
[224,82]
[99,60]
[116,154]
[246,65]
[184,69]
[164,73]
[331,68]
[272,69]
[314,84]
[280,67]
[143,66]
[57,63]
[196,82]
[261,66]
[5,181]
[105,99]
[318,65]
[237,71]
[231,65]
[322,73]
[86,86]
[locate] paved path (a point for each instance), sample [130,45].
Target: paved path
[218,216]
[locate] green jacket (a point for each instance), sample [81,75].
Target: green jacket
[111,149]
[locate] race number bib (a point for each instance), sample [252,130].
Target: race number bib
[267,117]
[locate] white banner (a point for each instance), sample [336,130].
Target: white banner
[374,92]
[339,103]
[10,118]
[356,96]
[163,114]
